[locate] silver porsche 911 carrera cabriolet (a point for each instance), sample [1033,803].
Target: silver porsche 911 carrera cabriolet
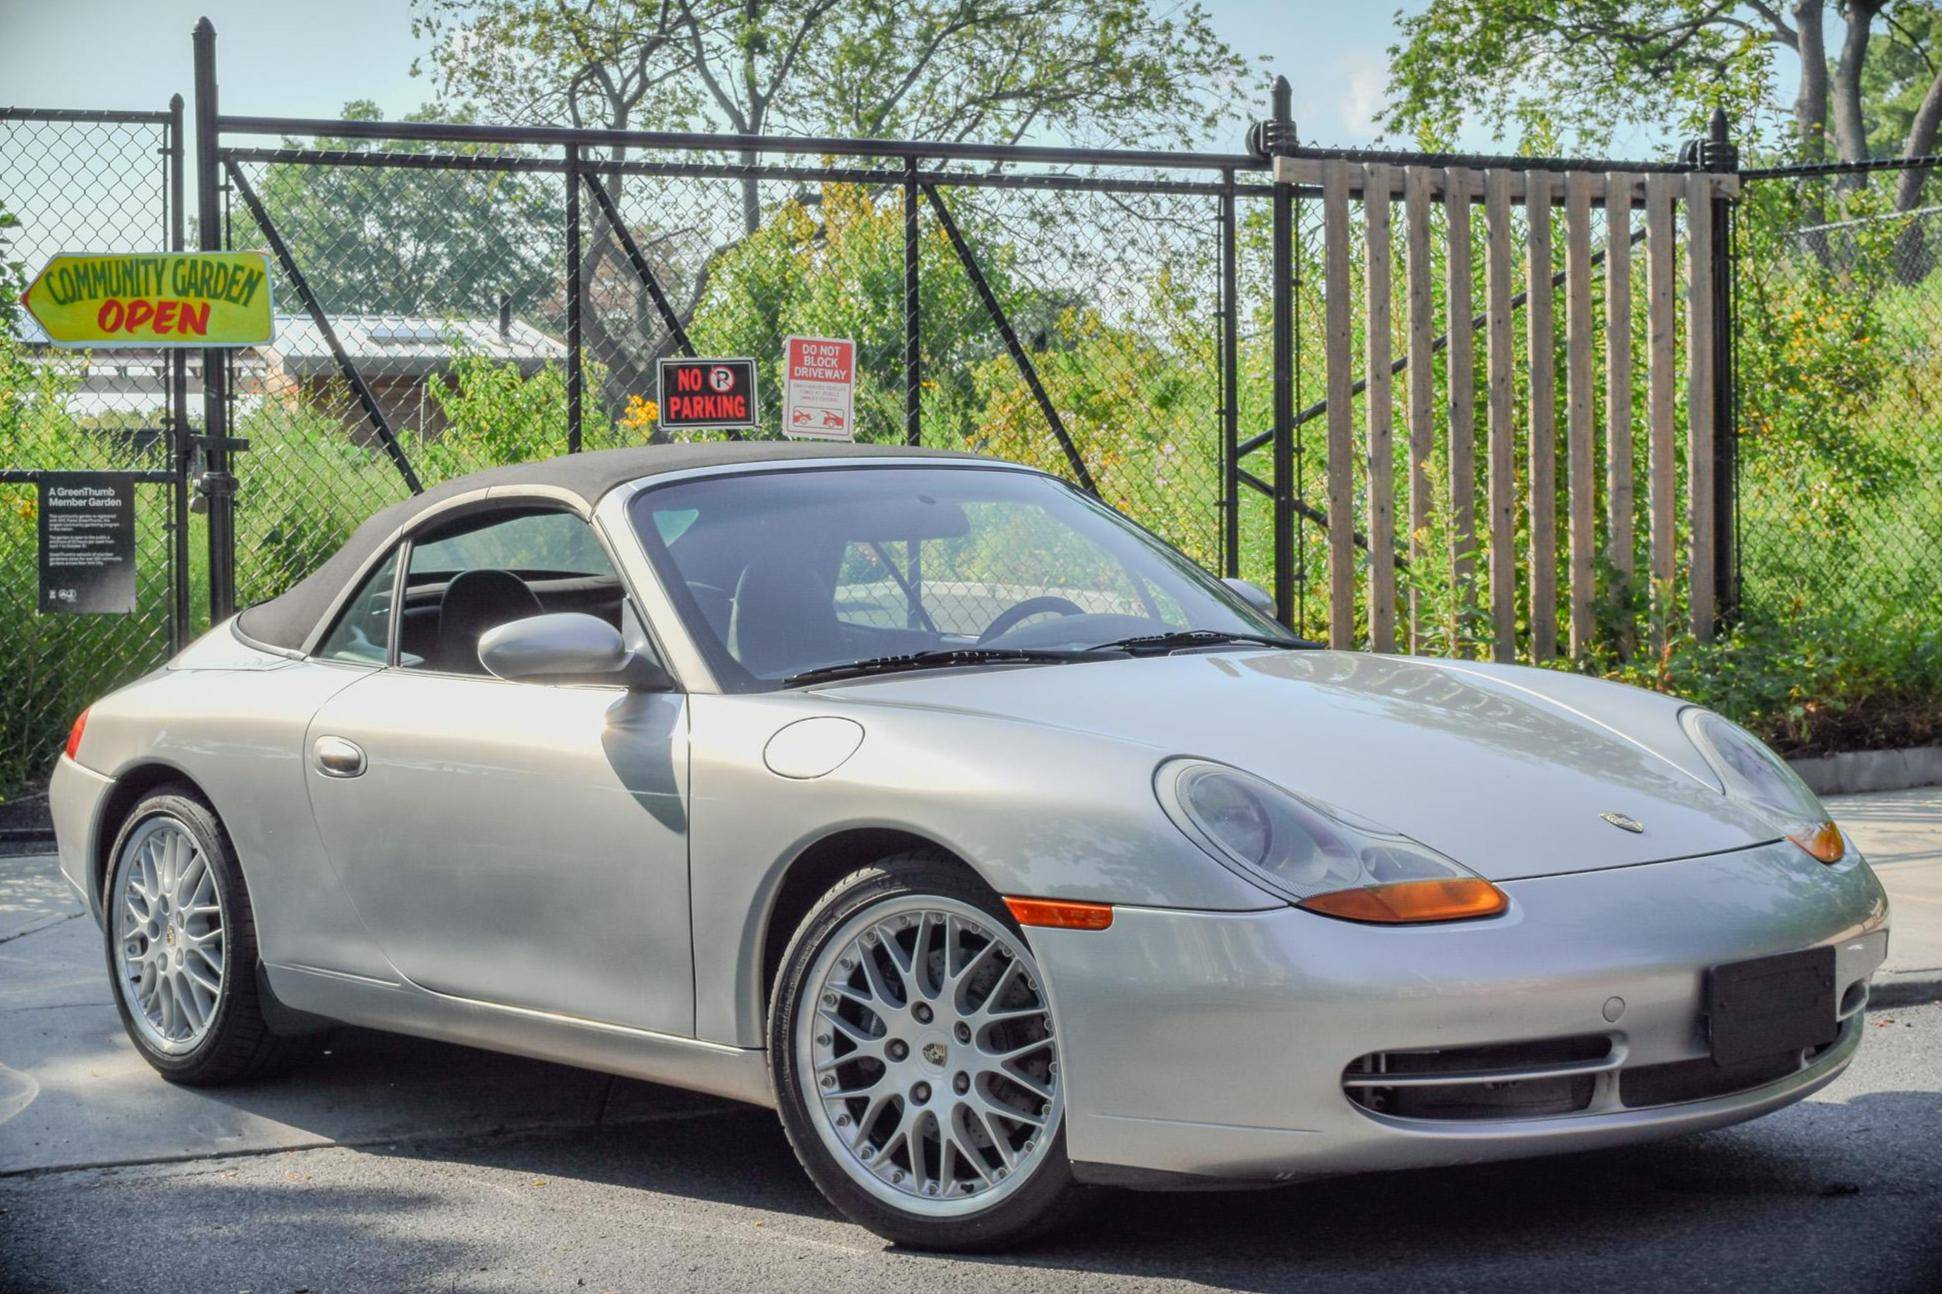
[995,845]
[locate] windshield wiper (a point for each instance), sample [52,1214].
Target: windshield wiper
[1166,642]
[941,658]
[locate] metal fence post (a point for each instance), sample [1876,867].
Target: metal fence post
[217,485]
[913,335]
[1230,385]
[1280,132]
[1718,154]
[179,443]
[575,363]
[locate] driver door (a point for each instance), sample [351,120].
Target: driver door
[515,843]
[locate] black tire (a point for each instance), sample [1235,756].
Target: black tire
[239,1045]
[1042,1203]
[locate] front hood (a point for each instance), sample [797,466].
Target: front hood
[1479,762]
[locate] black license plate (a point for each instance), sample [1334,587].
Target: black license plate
[1771,1004]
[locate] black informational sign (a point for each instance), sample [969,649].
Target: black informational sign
[87,542]
[708,393]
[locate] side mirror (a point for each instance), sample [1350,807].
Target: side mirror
[568,647]
[1254,595]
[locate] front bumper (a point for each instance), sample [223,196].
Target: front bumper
[1215,1045]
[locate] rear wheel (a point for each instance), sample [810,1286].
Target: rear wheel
[181,947]
[916,1061]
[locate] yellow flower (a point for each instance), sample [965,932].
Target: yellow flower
[641,413]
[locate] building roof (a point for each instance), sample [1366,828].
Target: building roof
[289,619]
[406,345]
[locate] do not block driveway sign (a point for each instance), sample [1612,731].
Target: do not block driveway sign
[819,388]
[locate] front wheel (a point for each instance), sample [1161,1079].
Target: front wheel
[181,945]
[916,1063]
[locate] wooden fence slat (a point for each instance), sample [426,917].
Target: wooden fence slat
[1382,452]
[1459,184]
[1580,451]
[1619,498]
[1341,409]
[1661,328]
[1422,373]
[1543,349]
[1308,171]
[1699,401]
[1500,363]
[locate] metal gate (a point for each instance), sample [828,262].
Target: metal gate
[1396,388]
[99,181]
[1526,464]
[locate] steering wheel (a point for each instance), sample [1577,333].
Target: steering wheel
[1010,617]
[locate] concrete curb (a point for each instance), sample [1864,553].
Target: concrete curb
[1905,988]
[1857,771]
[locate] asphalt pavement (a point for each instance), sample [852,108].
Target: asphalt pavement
[391,1163]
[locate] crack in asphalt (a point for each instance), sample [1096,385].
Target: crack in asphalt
[47,925]
[503,1132]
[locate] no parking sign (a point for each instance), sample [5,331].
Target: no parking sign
[711,393]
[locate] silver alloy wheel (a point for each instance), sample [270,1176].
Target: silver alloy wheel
[170,949]
[925,1055]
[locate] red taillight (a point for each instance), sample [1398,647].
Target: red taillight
[74,733]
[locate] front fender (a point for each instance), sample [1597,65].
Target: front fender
[1034,810]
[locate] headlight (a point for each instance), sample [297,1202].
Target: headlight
[1751,772]
[1323,860]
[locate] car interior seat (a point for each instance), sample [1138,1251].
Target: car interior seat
[475,601]
[784,619]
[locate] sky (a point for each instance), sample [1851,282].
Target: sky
[283,58]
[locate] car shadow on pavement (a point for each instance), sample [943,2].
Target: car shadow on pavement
[1656,1212]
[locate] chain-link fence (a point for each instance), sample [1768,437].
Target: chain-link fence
[71,181]
[444,292]
[1072,321]
[1839,352]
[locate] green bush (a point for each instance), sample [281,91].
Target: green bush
[1815,685]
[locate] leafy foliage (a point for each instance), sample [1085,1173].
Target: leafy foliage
[435,243]
[991,70]
[1583,68]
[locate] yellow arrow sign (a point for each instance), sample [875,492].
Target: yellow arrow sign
[153,299]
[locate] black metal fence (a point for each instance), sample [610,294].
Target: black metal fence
[108,181]
[1839,350]
[1148,324]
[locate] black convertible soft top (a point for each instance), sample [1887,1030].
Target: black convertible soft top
[288,619]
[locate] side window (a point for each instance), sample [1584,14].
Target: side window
[462,583]
[363,631]
[538,544]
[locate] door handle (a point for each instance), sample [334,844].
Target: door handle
[337,757]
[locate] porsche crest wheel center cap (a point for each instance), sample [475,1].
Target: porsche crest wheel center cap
[936,1053]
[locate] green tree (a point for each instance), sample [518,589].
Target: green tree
[991,70]
[1099,71]
[1588,67]
[392,240]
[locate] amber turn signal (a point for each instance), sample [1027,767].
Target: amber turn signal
[1822,840]
[1061,915]
[1412,902]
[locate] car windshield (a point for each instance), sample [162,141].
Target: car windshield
[786,573]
